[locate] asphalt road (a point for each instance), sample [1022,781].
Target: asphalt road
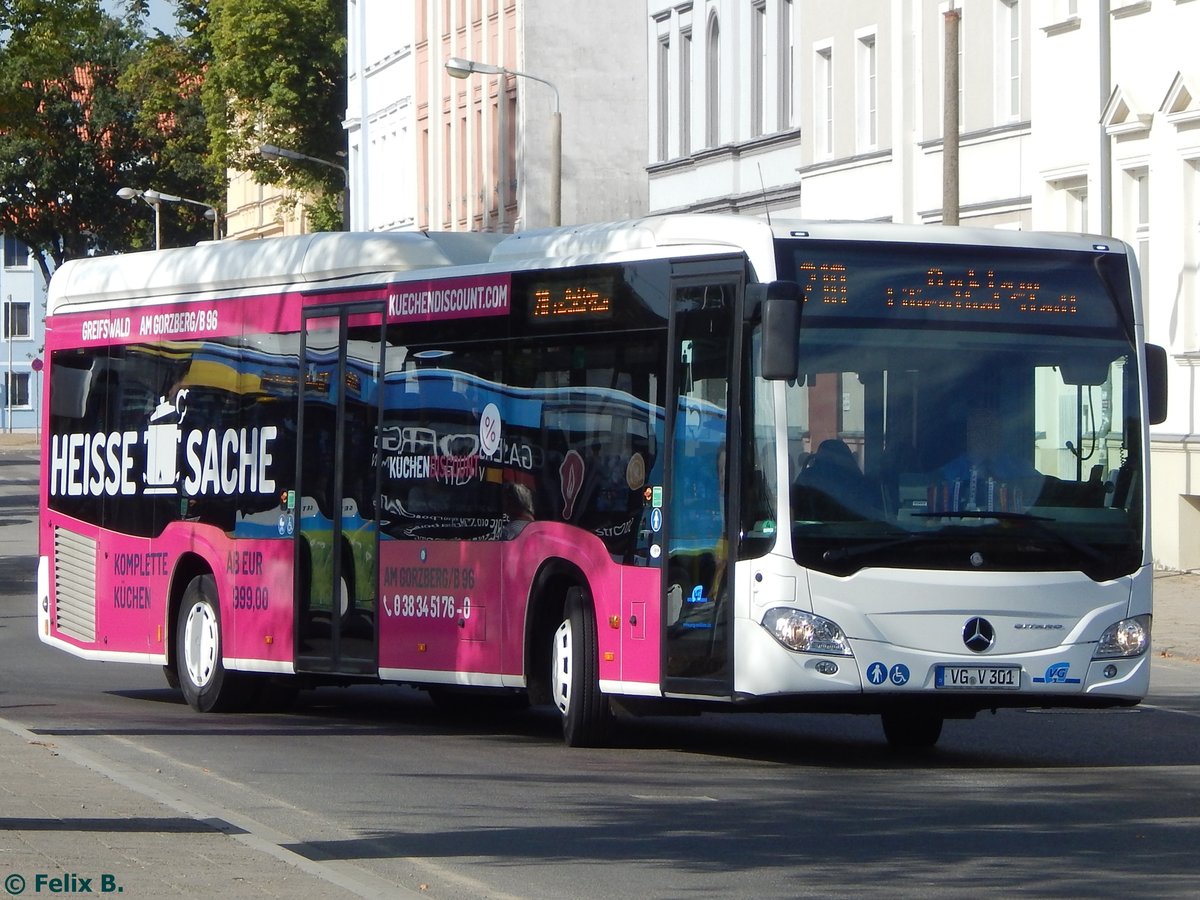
[377,781]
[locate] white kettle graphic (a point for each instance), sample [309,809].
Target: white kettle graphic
[162,445]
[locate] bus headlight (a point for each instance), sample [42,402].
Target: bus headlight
[1129,637]
[798,630]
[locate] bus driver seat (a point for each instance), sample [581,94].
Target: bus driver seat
[830,487]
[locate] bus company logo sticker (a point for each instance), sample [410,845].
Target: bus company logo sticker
[877,673]
[1057,673]
[490,426]
[898,674]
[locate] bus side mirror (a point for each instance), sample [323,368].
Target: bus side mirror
[1156,383]
[780,302]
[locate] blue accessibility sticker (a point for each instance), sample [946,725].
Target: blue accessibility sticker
[877,673]
[899,674]
[1057,673]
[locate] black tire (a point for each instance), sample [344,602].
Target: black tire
[574,675]
[908,731]
[206,685]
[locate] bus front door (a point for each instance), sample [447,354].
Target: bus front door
[698,584]
[337,533]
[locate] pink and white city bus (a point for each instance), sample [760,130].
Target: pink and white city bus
[686,462]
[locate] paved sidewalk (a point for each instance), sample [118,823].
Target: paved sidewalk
[20,441]
[1176,631]
[65,816]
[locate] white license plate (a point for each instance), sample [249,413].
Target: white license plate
[978,678]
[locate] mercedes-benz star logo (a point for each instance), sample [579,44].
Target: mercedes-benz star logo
[978,634]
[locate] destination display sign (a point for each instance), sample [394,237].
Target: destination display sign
[998,285]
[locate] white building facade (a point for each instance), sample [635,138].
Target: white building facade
[834,110]
[431,151]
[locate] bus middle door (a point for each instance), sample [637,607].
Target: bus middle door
[337,538]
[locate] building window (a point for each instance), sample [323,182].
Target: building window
[823,101]
[1139,224]
[16,254]
[16,390]
[663,101]
[868,94]
[1077,209]
[758,66]
[685,92]
[16,320]
[1008,70]
[712,87]
[785,65]
[1191,253]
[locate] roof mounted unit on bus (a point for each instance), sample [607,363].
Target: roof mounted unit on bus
[580,243]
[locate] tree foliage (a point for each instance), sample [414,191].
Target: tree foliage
[89,104]
[276,75]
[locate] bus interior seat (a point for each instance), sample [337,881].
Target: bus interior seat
[831,486]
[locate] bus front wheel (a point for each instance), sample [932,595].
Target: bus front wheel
[206,685]
[575,672]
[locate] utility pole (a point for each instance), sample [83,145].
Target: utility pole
[950,121]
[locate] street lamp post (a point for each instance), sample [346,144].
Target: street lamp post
[457,67]
[210,212]
[157,198]
[270,151]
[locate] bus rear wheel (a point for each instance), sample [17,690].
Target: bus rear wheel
[206,685]
[575,675]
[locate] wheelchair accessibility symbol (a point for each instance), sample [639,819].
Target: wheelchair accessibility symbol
[899,674]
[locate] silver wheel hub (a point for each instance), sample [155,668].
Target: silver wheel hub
[561,681]
[201,644]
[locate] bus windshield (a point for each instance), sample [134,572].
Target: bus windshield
[952,414]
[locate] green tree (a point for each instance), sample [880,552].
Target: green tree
[72,134]
[276,75]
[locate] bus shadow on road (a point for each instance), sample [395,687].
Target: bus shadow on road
[1018,739]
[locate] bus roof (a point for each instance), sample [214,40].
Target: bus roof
[217,266]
